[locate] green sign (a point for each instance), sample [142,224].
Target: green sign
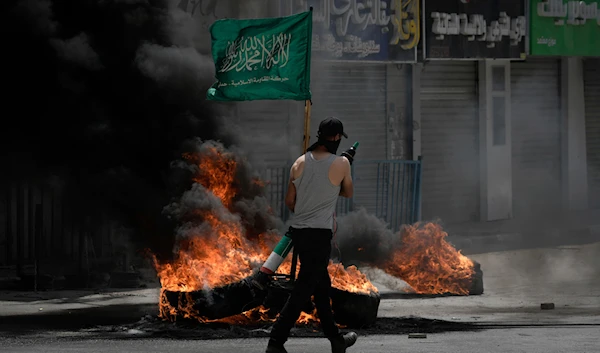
[259,59]
[568,28]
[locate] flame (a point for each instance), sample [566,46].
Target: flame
[349,279]
[212,259]
[259,314]
[216,252]
[428,263]
[216,172]
[308,318]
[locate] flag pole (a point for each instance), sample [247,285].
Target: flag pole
[307,111]
[307,108]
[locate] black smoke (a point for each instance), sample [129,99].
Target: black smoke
[362,238]
[249,208]
[99,98]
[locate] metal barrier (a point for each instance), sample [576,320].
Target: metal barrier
[390,189]
[276,182]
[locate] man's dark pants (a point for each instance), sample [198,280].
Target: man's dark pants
[314,249]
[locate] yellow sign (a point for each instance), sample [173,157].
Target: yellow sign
[406,22]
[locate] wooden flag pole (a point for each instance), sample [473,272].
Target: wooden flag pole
[307,106]
[307,110]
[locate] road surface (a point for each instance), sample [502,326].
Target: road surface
[507,318]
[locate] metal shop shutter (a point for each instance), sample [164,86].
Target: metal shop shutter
[450,141]
[536,149]
[592,127]
[356,94]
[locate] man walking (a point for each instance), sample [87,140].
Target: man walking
[317,178]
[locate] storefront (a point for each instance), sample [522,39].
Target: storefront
[465,123]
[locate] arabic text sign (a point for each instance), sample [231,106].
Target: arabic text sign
[475,30]
[257,52]
[260,59]
[565,28]
[366,30]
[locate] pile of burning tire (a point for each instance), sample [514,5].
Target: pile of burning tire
[219,245]
[352,310]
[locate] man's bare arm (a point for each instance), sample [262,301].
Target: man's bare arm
[290,197]
[347,187]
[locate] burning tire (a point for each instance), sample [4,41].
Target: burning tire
[217,303]
[353,310]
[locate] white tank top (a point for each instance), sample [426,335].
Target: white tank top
[316,196]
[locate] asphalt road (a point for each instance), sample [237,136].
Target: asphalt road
[507,318]
[530,340]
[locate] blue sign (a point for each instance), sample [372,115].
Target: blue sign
[366,30]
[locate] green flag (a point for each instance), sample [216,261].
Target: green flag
[262,58]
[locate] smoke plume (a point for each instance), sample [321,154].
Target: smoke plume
[249,207]
[362,237]
[100,96]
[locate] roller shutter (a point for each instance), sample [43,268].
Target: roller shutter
[450,141]
[536,149]
[592,128]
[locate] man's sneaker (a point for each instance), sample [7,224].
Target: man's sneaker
[341,342]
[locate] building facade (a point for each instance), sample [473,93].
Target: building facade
[505,128]
[490,108]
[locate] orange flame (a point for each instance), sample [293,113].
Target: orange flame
[307,319]
[216,172]
[428,263]
[257,315]
[349,279]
